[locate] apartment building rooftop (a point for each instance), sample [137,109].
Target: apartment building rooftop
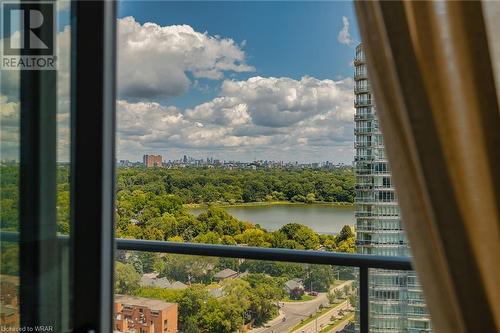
[153,304]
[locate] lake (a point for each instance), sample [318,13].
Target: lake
[325,219]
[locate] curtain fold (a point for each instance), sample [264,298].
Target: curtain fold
[432,76]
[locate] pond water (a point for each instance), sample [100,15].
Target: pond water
[326,219]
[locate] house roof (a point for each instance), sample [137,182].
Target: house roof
[225,273]
[147,280]
[292,284]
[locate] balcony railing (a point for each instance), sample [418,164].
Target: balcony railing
[361,130]
[369,116]
[359,61]
[362,261]
[362,89]
[361,75]
[362,144]
[366,102]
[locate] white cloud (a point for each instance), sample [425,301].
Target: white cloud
[146,127]
[153,61]
[259,115]
[275,102]
[344,36]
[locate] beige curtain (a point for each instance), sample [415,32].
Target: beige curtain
[431,71]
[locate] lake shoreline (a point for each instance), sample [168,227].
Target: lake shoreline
[269,203]
[323,218]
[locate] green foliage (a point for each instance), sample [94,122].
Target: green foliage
[168,295]
[303,236]
[126,279]
[204,185]
[9,197]
[188,269]
[9,254]
[331,297]
[345,233]
[319,277]
[273,268]
[352,300]
[150,205]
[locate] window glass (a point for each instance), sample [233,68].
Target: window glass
[55,255]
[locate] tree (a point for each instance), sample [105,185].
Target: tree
[221,316]
[296,293]
[338,293]
[208,238]
[346,290]
[150,262]
[272,268]
[263,301]
[310,198]
[232,263]
[126,279]
[301,234]
[331,297]
[345,234]
[191,303]
[319,277]
[352,300]
[253,237]
[348,246]
[190,325]
[188,269]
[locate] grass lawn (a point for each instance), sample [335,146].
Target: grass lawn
[304,298]
[330,326]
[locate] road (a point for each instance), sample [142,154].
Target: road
[316,325]
[294,312]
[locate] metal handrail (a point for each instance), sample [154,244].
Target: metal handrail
[363,261]
[271,254]
[251,252]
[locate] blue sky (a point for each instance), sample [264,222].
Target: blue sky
[283,38]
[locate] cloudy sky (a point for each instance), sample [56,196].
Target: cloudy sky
[232,80]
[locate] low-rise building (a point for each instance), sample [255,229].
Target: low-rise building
[144,315]
[9,305]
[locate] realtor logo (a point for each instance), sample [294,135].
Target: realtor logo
[28,35]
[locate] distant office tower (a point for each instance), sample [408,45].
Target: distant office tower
[152,160]
[396,300]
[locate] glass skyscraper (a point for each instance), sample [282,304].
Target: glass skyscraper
[396,300]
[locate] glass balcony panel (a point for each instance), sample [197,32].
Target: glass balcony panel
[198,293]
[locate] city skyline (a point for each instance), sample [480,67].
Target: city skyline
[166,159]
